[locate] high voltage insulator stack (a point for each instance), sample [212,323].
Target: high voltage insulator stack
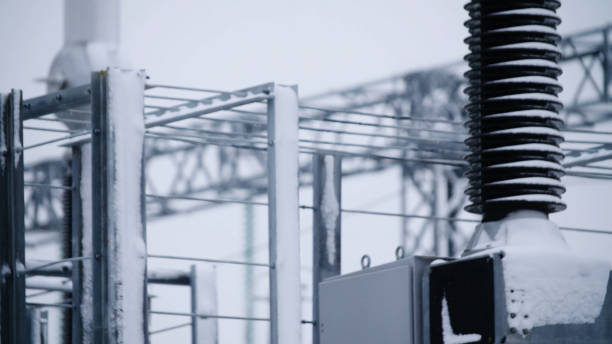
[513,109]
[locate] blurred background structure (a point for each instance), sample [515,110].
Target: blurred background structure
[397,141]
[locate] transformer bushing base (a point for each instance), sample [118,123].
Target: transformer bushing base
[519,282]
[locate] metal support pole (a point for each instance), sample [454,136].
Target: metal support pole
[606,63]
[36,327]
[283,216]
[118,242]
[404,204]
[204,301]
[100,180]
[249,299]
[12,236]
[77,236]
[326,241]
[440,210]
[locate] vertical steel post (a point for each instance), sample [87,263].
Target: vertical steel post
[606,63]
[12,234]
[203,284]
[33,326]
[404,204]
[101,182]
[326,240]
[118,238]
[440,210]
[249,241]
[77,236]
[194,304]
[283,216]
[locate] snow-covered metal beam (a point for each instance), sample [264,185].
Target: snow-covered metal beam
[283,220]
[118,217]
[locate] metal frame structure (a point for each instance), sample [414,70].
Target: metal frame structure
[411,121]
[102,178]
[401,97]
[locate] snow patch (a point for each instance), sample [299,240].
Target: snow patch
[529,180]
[526,113]
[545,283]
[527,79]
[547,286]
[528,28]
[529,96]
[448,335]
[528,130]
[527,62]
[17,144]
[529,11]
[86,243]
[529,164]
[330,209]
[529,45]
[529,198]
[541,147]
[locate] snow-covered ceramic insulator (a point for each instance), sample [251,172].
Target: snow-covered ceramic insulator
[513,109]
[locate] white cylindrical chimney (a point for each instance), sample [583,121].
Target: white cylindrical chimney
[91,21]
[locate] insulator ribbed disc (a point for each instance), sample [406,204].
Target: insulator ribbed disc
[513,109]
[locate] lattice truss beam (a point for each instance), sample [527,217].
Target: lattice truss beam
[411,121]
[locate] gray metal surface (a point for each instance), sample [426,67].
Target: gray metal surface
[375,305]
[76,222]
[101,182]
[12,231]
[56,101]
[323,266]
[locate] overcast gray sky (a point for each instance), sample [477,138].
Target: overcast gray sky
[318,44]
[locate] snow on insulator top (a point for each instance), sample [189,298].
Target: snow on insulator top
[527,147]
[527,130]
[529,164]
[529,96]
[530,79]
[529,198]
[528,11]
[528,45]
[526,113]
[529,180]
[529,28]
[527,62]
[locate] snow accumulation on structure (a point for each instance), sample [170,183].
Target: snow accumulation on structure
[17,144]
[545,283]
[528,146]
[330,209]
[528,164]
[530,11]
[528,45]
[526,113]
[86,243]
[448,334]
[127,264]
[286,218]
